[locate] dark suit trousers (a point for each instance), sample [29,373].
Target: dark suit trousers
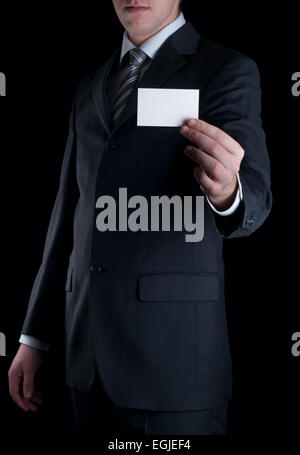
[95,413]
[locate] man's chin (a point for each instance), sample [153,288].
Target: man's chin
[138,32]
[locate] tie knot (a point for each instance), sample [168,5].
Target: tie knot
[135,57]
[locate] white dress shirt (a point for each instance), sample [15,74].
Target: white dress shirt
[150,47]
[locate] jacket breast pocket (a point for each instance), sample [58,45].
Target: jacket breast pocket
[177,287]
[69,280]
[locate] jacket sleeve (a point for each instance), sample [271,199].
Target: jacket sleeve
[46,310]
[232,102]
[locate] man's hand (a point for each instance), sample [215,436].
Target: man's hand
[21,378]
[218,157]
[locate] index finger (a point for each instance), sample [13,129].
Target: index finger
[217,134]
[14,391]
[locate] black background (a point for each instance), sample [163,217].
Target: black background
[44,53]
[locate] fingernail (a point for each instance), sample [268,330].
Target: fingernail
[185,129]
[192,122]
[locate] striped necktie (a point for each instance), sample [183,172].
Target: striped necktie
[135,58]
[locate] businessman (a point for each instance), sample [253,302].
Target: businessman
[146,340]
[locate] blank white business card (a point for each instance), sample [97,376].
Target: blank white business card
[166,107]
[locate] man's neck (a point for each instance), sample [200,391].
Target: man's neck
[139,40]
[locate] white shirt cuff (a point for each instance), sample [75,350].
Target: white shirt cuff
[33,342]
[236,203]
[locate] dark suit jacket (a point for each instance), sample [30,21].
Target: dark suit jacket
[147,307]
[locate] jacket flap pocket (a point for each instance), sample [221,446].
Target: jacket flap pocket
[68,285]
[178,287]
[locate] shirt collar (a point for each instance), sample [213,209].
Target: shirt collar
[152,44]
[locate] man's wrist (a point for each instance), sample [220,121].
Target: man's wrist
[234,205]
[222,203]
[33,342]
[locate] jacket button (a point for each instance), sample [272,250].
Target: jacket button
[95,268]
[110,145]
[250,220]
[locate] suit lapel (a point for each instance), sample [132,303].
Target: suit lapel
[168,59]
[99,94]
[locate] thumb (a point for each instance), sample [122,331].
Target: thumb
[28,385]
